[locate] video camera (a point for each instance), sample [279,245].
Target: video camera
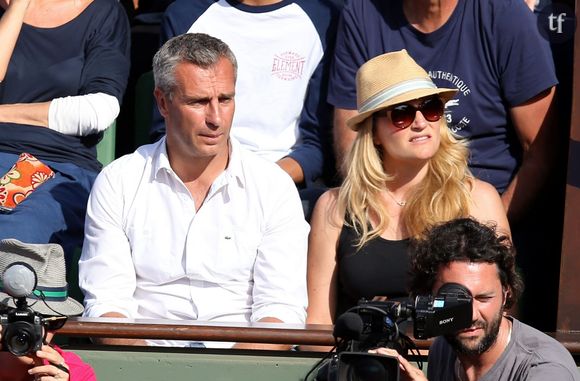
[23,330]
[373,324]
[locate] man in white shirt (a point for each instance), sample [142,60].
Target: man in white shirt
[193,227]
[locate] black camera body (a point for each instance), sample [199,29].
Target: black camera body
[373,324]
[22,330]
[432,315]
[448,312]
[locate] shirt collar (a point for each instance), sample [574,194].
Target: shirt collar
[235,169]
[234,172]
[160,161]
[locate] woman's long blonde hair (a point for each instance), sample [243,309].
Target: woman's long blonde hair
[444,193]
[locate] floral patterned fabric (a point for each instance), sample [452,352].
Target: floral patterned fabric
[27,174]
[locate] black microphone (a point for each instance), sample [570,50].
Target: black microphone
[348,326]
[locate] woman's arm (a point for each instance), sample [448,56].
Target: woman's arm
[325,226]
[321,272]
[105,72]
[487,206]
[10,25]
[32,114]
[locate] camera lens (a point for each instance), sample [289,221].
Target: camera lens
[358,366]
[20,343]
[367,369]
[20,339]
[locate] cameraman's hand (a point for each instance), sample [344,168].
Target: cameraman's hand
[408,371]
[55,370]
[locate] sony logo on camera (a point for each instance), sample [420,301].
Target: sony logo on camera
[446,321]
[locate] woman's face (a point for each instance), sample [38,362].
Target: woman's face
[409,131]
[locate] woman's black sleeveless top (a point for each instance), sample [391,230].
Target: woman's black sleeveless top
[379,268]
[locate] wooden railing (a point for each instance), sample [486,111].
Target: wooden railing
[270,333]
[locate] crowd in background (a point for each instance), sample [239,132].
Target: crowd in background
[316,96]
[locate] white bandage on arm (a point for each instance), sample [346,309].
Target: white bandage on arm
[82,114]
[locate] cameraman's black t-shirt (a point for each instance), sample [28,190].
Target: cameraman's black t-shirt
[379,268]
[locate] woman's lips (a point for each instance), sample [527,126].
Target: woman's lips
[420,138]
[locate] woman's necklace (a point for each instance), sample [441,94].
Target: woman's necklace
[400,203]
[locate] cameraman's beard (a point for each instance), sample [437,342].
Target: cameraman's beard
[470,348]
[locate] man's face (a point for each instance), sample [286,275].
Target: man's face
[483,282]
[198,114]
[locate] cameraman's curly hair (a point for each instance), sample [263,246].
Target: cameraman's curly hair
[463,239]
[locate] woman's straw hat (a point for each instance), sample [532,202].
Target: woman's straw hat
[390,79]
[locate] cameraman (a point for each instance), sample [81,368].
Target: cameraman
[49,363]
[496,347]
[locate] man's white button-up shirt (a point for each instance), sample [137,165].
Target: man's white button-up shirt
[148,254]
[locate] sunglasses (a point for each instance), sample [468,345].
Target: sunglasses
[404,114]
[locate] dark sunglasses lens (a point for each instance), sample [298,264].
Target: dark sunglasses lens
[403,115]
[432,109]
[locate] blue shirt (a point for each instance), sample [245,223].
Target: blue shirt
[490,50]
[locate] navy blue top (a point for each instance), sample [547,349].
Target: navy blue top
[87,55]
[379,268]
[490,50]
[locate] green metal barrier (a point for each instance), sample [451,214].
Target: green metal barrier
[155,364]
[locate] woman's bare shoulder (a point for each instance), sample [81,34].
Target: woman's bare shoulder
[330,196]
[481,190]
[487,206]
[327,208]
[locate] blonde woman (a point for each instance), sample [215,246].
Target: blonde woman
[405,172]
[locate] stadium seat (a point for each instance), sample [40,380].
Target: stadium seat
[106,147]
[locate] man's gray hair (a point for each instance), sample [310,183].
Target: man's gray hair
[199,49]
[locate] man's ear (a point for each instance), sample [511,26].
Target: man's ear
[162,101]
[506,294]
